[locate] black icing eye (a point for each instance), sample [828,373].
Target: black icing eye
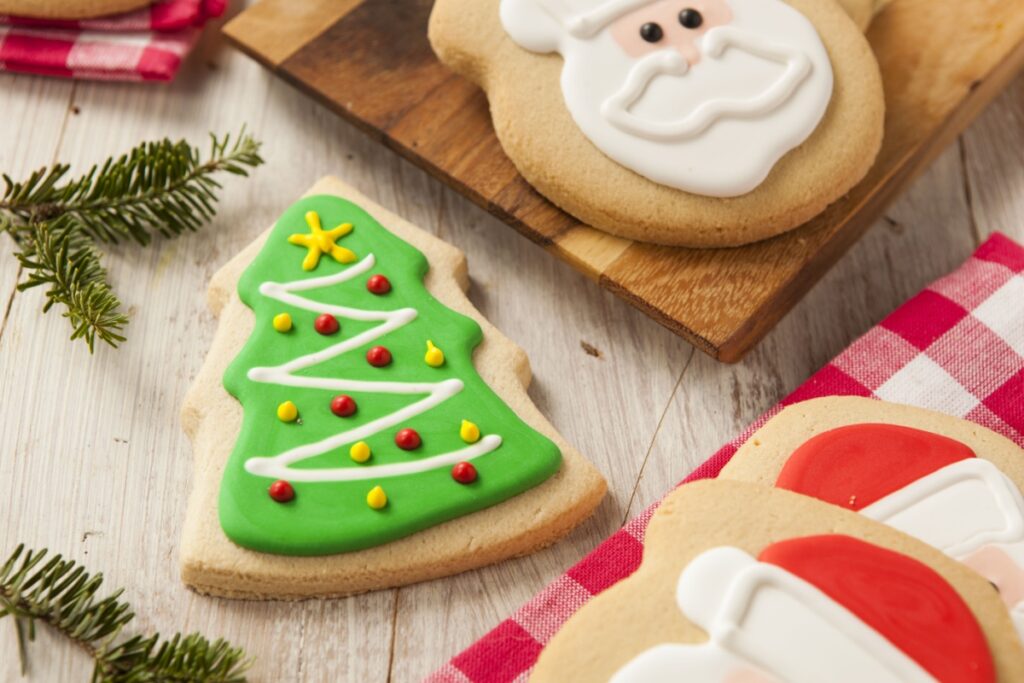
[651,32]
[690,18]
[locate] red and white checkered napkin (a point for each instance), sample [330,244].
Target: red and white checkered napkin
[957,347]
[145,45]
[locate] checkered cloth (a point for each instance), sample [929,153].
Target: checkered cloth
[145,45]
[957,347]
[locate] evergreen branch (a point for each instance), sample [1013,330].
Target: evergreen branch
[63,596]
[60,255]
[164,186]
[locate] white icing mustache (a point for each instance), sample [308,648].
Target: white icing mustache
[616,109]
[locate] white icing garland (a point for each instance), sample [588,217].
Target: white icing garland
[280,466]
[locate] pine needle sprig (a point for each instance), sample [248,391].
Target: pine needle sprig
[59,254]
[62,595]
[163,187]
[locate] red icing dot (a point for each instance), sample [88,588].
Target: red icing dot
[856,465]
[408,439]
[326,324]
[378,284]
[343,405]
[281,491]
[464,473]
[906,601]
[378,357]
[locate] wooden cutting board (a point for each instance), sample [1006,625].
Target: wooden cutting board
[369,60]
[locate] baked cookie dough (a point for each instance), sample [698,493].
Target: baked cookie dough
[741,582]
[366,428]
[703,123]
[69,9]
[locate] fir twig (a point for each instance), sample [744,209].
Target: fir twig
[63,596]
[164,187]
[60,255]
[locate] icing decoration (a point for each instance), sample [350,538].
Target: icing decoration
[854,466]
[281,491]
[408,439]
[376,498]
[378,357]
[464,473]
[819,608]
[469,432]
[378,284]
[283,322]
[705,99]
[926,485]
[322,242]
[691,18]
[651,32]
[434,356]
[934,626]
[287,412]
[331,515]
[360,451]
[343,405]
[326,324]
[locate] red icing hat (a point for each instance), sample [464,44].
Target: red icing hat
[855,466]
[905,601]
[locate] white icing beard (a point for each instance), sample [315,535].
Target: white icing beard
[714,128]
[765,624]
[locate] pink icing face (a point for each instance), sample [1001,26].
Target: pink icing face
[669,23]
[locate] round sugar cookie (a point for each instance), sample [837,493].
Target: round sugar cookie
[69,9]
[701,123]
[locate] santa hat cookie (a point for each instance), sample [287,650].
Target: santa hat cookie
[746,583]
[690,122]
[357,420]
[948,483]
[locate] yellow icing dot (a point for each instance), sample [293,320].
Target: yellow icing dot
[360,452]
[469,432]
[376,498]
[434,356]
[282,322]
[287,412]
[319,241]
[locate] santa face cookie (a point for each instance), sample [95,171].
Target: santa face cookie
[704,96]
[685,101]
[952,484]
[367,436]
[745,583]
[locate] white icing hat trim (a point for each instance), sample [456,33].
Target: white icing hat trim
[958,508]
[586,24]
[759,616]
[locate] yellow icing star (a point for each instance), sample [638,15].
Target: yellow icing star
[319,241]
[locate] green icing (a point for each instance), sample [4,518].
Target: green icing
[333,517]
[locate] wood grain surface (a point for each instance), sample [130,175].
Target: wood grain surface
[96,465]
[371,63]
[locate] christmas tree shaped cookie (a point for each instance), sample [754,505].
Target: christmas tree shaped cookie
[371,429]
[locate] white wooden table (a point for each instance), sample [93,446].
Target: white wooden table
[94,464]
